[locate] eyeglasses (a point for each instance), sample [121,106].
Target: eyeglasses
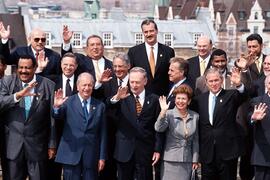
[38,39]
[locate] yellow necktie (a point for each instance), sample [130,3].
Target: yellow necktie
[97,70]
[258,64]
[152,61]
[202,67]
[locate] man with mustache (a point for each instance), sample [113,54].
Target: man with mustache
[26,101]
[154,57]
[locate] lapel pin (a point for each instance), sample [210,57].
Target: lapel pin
[94,108]
[220,101]
[160,55]
[148,102]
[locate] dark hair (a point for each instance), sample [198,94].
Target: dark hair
[183,64]
[71,55]
[183,89]
[256,37]
[147,22]
[2,60]
[218,52]
[94,36]
[27,56]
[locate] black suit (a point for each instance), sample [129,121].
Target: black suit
[261,150]
[220,143]
[160,83]
[52,69]
[27,139]
[136,139]
[194,70]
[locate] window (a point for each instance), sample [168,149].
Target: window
[168,39]
[230,46]
[196,37]
[241,15]
[267,14]
[255,29]
[48,36]
[139,39]
[231,31]
[77,40]
[256,15]
[108,40]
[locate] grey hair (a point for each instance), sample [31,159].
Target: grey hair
[123,56]
[86,74]
[140,70]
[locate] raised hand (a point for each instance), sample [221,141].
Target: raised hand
[235,77]
[59,98]
[4,33]
[122,93]
[26,91]
[67,35]
[106,76]
[42,61]
[163,103]
[259,112]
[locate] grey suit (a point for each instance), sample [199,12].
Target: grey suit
[27,139]
[180,150]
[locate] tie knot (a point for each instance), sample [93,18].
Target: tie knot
[152,47]
[137,97]
[25,85]
[84,102]
[68,80]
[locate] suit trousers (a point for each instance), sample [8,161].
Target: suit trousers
[21,167]
[262,173]
[133,169]
[220,169]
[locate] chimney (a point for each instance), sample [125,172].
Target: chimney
[117,3]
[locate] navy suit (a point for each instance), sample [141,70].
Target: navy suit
[82,144]
[51,70]
[136,139]
[158,85]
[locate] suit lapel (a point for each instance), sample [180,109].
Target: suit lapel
[130,109]
[17,88]
[218,105]
[160,57]
[147,65]
[93,108]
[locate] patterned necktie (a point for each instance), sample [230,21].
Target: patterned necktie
[85,111]
[68,88]
[152,61]
[138,106]
[27,103]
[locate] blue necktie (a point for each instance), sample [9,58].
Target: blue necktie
[27,103]
[212,108]
[85,111]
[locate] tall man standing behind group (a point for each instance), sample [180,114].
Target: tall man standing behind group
[154,57]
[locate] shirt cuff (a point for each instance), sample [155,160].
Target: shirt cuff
[4,41]
[98,85]
[66,47]
[56,110]
[241,88]
[16,100]
[113,101]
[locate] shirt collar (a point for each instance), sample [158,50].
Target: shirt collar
[155,46]
[81,99]
[212,94]
[124,80]
[33,80]
[34,51]
[179,82]
[65,78]
[141,95]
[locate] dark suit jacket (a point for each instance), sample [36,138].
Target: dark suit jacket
[85,64]
[82,141]
[258,87]
[253,70]
[137,134]
[160,83]
[171,98]
[194,70]
[261,149]
[223,138]
[53,67]
[34,134]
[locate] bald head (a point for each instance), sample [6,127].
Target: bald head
[204,46]
[37,39]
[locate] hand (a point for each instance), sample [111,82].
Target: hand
[106,76]
[235,77]
[163,103]
[101,165]
[4,33]
[122,93]
[195,165]
[242,63]
[155,158]
[51,153]
[259,112]
[42,62]
[67,35]
[58,98]
[26,91]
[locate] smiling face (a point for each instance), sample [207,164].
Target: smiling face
[219,62]
[37,39]
[266,66]
[254,47]
[26,70]
[68,65]
[182,101]
[85,85]
[175,74]
[214,82]
[94,48]
[150,33]
[137,81]
[120,68]
[204,46]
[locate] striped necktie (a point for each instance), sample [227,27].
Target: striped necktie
[138,105]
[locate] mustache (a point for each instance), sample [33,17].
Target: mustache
[24,73]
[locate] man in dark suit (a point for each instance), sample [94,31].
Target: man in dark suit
[121,65]
[260,158]
[137,146]
[154,58]
[67,82]
[82,149]
[198,64]
[25,103]
[178,71]
[94,62]
[48,61]
[220,140]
